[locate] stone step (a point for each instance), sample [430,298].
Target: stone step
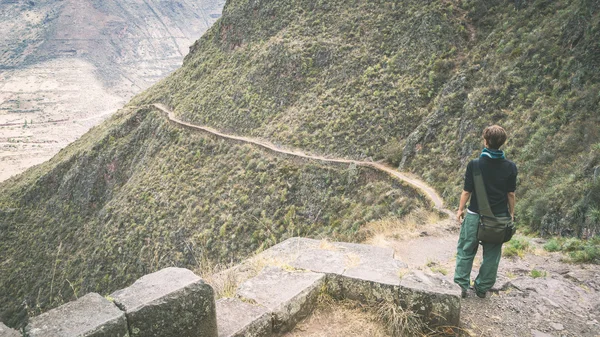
[371,275]
[236,318]
[289,295]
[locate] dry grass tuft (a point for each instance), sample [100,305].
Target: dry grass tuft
[340,319]
[436,267]
[347,318]
[225,279]
[351,260]
[410,226]
[326,245]
[400,322]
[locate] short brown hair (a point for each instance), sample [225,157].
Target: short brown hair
[495,136]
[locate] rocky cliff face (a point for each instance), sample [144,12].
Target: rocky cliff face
[78,61]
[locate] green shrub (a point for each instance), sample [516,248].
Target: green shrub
[579,251]
[517,246]
[589,254]
[553,245]
[538,273]
[573,245]
[392,152]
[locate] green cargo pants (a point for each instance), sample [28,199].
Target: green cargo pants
[467,248]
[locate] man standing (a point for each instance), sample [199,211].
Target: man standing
[500,180]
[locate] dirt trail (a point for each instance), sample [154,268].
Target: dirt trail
[425,189]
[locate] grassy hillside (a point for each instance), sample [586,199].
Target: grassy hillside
[139,194]
[414,82]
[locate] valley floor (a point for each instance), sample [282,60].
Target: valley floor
[45,107]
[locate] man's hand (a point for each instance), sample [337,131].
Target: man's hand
[464,197]
[460,215]
[511,204]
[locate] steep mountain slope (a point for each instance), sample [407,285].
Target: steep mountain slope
[138,194]
[414,82]
[77,61]
[410,81]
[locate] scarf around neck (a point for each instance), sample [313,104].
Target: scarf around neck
[494,154]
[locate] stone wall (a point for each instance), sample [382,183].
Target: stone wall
[176,302]
[170,302]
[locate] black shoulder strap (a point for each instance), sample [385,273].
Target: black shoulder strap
[482,199]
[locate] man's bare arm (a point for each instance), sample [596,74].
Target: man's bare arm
[511,204]
[464,197]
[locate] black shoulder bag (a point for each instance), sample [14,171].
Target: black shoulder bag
[491,229]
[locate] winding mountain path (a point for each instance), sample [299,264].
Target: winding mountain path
[425,189]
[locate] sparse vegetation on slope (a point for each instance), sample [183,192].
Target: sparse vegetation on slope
[140,194]
[586,251]
[414,82]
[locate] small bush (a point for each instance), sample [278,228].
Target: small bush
[589,254]
[553,245]
[579,251]
[538,273]
[392,152]
[516,247]
[572,245]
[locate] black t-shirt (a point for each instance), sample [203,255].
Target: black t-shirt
[499,178]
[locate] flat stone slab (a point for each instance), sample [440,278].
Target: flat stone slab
[536,333]
[321,261]
[91,316]
[8,332]
[370,274]
[366,250]
[290,249]
[417,279]
[376,269]
[370,263]
[169,302]
[289,295]
[236,318]
[372,278]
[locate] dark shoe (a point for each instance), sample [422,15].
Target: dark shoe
[463,292]
[480,294]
